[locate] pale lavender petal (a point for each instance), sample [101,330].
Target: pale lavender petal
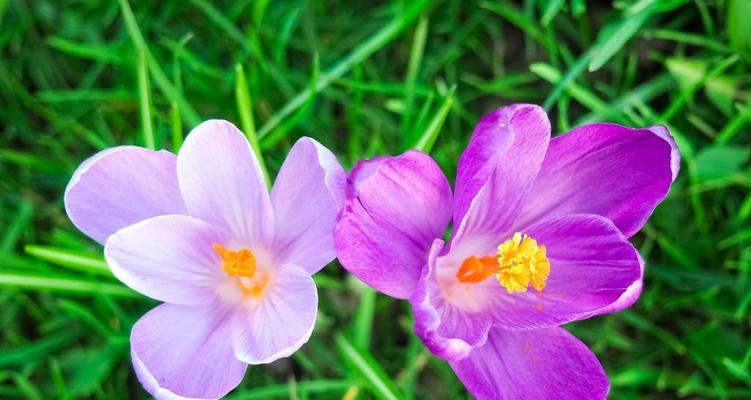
[168,258]
[185,352]
[448,331]
[222,183]
[120,186]
[593,270]
[395,208]
[514,134]
[280,322]
[307,198]
[535,364]
[605,169]
[500,199]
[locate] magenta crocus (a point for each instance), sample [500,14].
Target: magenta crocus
[539,239]
[200,233]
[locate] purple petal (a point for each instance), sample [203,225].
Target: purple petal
[307,198]
[536,364]
[121,186]
[605,169]
[222,183]
[675,155]
[447,330]
[168,258]
[593,270]
[184,352]
[280,322]
[396,207]
[516,133]
[508,175]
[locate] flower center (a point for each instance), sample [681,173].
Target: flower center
[241,265]
[520,262]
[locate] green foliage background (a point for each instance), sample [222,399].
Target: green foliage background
[364,79]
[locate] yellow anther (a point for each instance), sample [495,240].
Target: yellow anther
[522,262]
[236,263]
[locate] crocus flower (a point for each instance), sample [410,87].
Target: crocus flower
[200,233]
[539,238]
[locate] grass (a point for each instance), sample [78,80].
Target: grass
[371,79]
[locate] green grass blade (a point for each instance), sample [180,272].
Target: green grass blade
[144,102]
[65,285]
[376,41]
[427,139]
[368,368]
[245,109]
[70,259]
[413,67]
[614,36]
[161,80]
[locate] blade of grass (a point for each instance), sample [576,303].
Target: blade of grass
[144,102]
[368,368]
[413,67]
[364,317]
[376,41]
[615,35]
[65,285]
[430,134]
[70,259]
[245,109]
[188,113]
[177,127]
[279,133]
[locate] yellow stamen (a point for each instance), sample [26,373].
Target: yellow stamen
[236,263]
[522,262]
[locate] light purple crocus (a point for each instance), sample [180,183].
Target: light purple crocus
[199,232]
[539,238]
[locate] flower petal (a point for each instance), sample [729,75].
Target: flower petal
[605,169]
[536,364]
[280,322]
[222,183]
[518,147]
[593,270]
[514,134]
[448,331]
[307,198]
[168,258]
[395,208]
[184,352]
[121,186]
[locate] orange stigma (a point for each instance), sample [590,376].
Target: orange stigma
[236,263]
[475,269]
[241,265]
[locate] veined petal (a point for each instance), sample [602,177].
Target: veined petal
[593,270]
[280,322]
[448,331]
[222,183]
[534,364]
[168,258]
[518,133]
[605,169]
[395,208]
[120,186]
[508,174]
[307,198]
[184,352]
